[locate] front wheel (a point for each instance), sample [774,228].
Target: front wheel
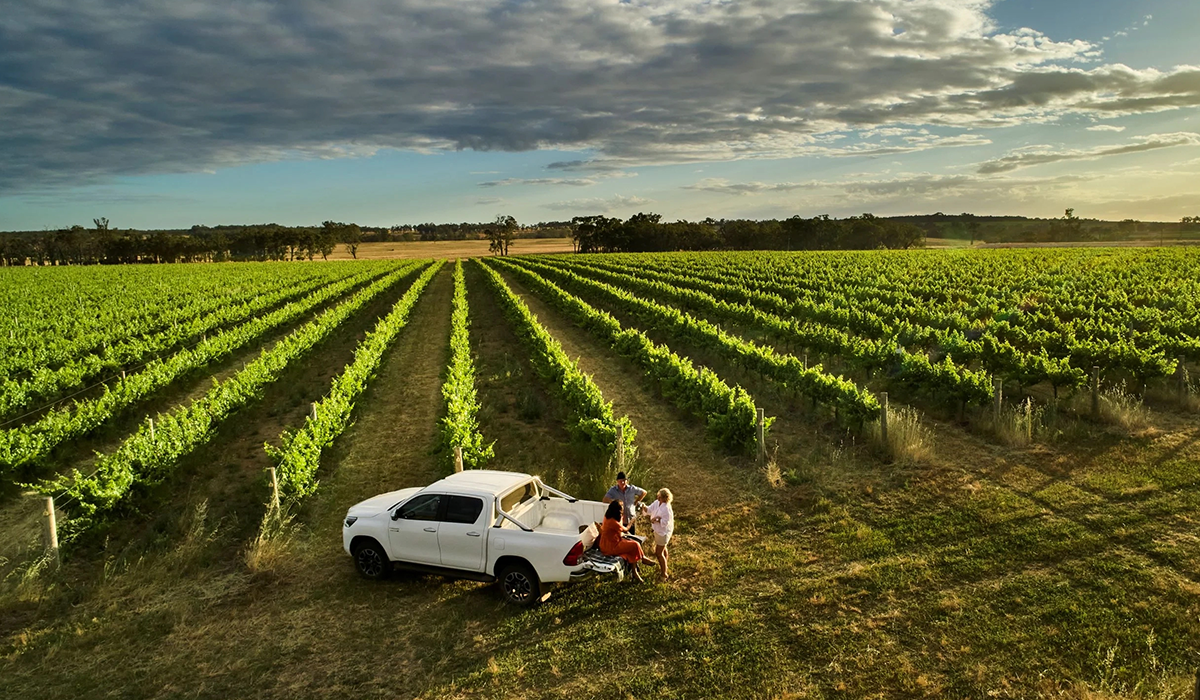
[520,584]
[372,561]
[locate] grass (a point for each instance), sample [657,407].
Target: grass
[1058,568]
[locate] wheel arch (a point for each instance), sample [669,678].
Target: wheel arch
[360,540]
[512,559]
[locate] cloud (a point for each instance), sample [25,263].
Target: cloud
[724,186]
[598,205]
[1040,155]
[572,182]
[94,89]
[1106,127]
[482,201]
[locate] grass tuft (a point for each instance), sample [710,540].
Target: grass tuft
[909,441]
[1022,424]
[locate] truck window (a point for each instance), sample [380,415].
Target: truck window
[424,507]
[517,496]
[463,509]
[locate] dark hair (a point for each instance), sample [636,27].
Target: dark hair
[614,510]
[621,476]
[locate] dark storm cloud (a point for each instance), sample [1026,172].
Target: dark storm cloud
[90,89]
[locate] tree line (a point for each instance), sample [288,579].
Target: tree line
[106,246]
[648,233]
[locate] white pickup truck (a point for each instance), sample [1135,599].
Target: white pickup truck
[483,525]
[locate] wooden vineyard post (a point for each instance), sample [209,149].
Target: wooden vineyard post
[274,489]
[151,428]
[458,463]
[1181,375]
[314,412]
[883,417]
[620,447]
[51,535]
[805,361]
[997,399]
[762,437]
[1095,392]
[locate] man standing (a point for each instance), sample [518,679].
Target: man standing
[629,495]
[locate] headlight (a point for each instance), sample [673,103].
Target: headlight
[351,519]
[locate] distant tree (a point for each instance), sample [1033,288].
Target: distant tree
[101,223]
[352,237]
[327,238]
[501,234]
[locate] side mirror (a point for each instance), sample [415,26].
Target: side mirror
[396,514]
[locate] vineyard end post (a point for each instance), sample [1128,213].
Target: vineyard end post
[51,529]
[998,399]
[458,463]
[883,417]
[151,428]
[620,447]
[314,412]
[762,436]
[1095,391]
[1181,373]
[274,488]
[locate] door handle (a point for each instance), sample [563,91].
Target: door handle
[394,529]
[472,534]
[431,529]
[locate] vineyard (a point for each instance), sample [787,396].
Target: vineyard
[898,474]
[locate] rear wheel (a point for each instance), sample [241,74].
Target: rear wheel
[372,561]
[520,584]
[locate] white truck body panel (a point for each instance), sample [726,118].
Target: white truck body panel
[429,526]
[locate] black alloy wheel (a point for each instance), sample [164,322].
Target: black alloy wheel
[372,561]
[520,585]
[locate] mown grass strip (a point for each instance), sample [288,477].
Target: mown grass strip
[591,419]
[298,458]
[30,444]
[729,413]
[460,426]
[150,455]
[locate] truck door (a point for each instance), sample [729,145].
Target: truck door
[413,534]
[461,534]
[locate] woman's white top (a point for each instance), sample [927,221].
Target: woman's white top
[666,526]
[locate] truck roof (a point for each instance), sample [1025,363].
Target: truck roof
[482,481]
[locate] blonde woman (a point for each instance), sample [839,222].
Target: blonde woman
[662,522]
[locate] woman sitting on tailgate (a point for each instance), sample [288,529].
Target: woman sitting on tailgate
[613,543]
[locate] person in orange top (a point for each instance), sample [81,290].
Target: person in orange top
[613,543]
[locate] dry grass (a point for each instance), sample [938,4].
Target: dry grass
[909,441]
[1021,424]
[1118,407]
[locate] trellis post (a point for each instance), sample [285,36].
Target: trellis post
[997,399]
[620,447]
[274,488]
[51,535]
[762,436]
[883,416]
[458,463]
[1181,374]
[1095,391]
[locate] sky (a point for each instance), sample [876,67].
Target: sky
[171,113]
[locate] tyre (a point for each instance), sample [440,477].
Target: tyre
[519,584]
[371,560]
